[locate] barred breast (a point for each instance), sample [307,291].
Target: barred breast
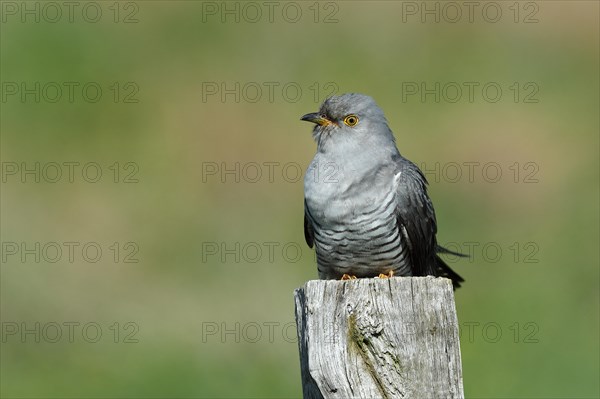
[357,234]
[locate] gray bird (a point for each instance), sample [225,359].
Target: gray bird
[366,208]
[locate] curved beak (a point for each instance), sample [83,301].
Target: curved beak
[317,118]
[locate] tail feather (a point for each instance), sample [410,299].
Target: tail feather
[443,270]
[441,250]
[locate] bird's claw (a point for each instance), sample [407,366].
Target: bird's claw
[390,274]
[348,277]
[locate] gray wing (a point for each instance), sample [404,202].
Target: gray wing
[309,234]
[416,218]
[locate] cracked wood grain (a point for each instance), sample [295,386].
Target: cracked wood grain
[379,338]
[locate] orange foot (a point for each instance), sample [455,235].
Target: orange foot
[348,277]
[390,274]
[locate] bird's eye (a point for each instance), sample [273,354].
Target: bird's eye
[351,120]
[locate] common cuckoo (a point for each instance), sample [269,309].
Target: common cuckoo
[366,208]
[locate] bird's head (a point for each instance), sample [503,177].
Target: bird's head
[349,119]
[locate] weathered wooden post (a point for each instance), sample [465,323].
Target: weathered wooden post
[379,338]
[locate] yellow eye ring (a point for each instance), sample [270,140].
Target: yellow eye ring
[351,120]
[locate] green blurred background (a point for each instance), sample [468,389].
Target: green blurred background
[212,327]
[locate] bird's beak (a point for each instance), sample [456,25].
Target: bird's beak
[317,118]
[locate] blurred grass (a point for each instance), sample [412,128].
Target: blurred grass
[171,292]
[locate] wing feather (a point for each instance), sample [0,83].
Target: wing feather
[309,234]
[416,217]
